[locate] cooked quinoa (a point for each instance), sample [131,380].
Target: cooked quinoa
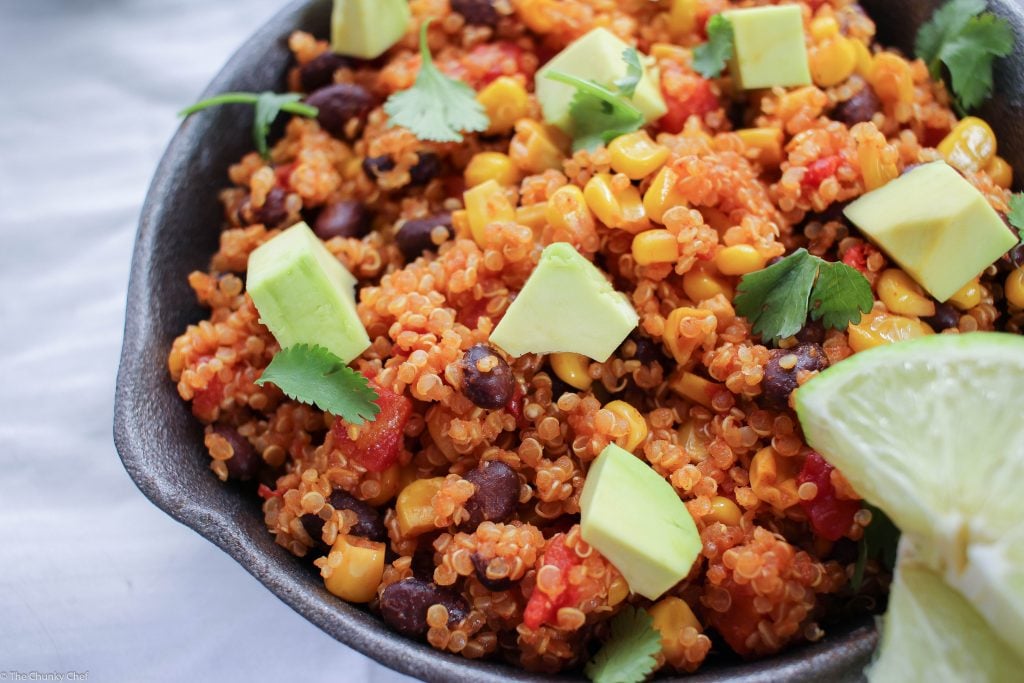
[493,451]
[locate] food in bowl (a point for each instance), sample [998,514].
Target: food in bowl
[506,330]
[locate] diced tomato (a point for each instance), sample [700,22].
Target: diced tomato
[266,493]
[830,517]
[283,174]
[695,98]
[542,608]
[821,169]
[494,58]
[380,442]
[738,622]
[857,257]
[206,402]
[515,407]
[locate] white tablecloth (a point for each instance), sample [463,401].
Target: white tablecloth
[93,578]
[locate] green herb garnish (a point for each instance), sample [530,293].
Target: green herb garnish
[634,73]
[436,107]
[267,106]
[709,59]
[315,376]
[778,299]
[967,39]
[1016,214]
[628,656]
[881,537]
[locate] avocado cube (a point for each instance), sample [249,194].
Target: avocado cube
[367,28]
[596,56]
[633,517]
[937,226]
[769,47]
[567,304]
[304,295]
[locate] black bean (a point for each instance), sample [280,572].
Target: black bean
[480,564]
[245,462]
[559,387]
[812,333]
[781,371]
[491,388]
[273,212]
[346,218]
[426,169]
[374,167]
[339,104]
[314,526]
[319,72]
[404,605]
[860,108]
[413,238]
[496,494]
[946,316]
[368,521]
[479,12]
[647,351]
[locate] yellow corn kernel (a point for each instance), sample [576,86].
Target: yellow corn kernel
[534,216]
[506,101]
[902,296]
[537,148]
[636,155]
[573,369]
[662,195]
[725,511]
[970,146]
[874,170]
[357,567]
[1001,173]
[865,60]
[773,478]
[878,329]
[485,204]
[833,62]
[567,211]
[460,224]
[968,296]
[671,617]
[538,15]
[414,508]
[637,424]
[618,590]
[621,209]
[390,483]
[739,259]
[682,17]
[892,78]
[767,142]
[824,28]
[694,387]
[1014,288]
[655,246]
[702,282]
[676,53]
[682,348]
[491,166]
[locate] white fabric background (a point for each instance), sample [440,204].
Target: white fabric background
[92,576]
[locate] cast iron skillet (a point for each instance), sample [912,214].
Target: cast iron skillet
[161,444]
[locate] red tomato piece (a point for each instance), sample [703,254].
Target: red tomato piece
[380,442]
[857,257]
[830,517]
[821,169]
[738,622]
[542,608]
[496,59]
[515,407]
[695,98]
[206,402]
[283,175]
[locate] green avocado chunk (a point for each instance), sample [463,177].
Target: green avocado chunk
[769,47]
[937,226]
[304,295]
[567,304]
[597,56]
[637,521]
[367,28]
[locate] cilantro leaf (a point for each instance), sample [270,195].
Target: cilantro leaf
[634,73]
[436,107]
[315,376]
[840,295]
[267,107]
[598,114]
[966,39]
[709,59]
[775,300]
[1016,214]
[778,299]
[628,656]
[880,541]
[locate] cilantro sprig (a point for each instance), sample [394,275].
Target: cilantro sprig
[710,58]
[778,299]
[598,113]
[315,376]
[267,106]
[436,107]
[880,540]
[966,39]
[628,656]
[1016,214]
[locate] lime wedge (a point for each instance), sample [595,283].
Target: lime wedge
[929,432]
